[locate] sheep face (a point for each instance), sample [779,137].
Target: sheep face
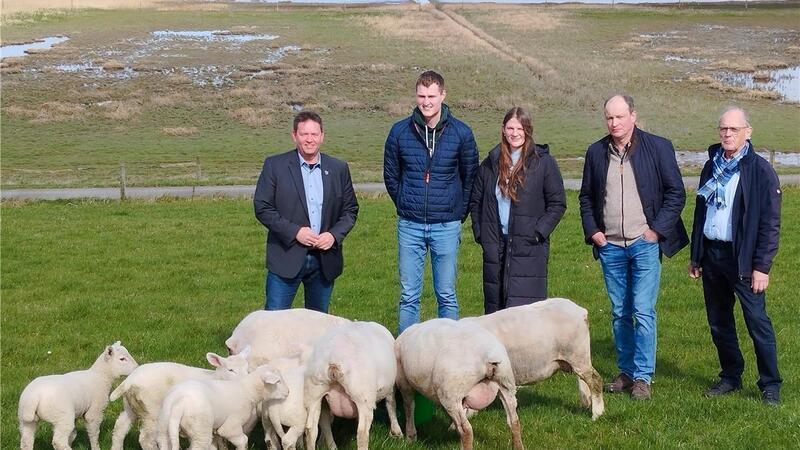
[119,359]
[275,386]
[231,367]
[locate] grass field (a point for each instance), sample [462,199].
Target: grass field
[172,278]
[65,120]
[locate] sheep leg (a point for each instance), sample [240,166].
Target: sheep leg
[365,414]
[61,434]
[289,439]
[27,431]
[122,426]
[509,399]
[312,422]
[325,420]
[459,417]
[594,385]
[391,409]
[271,438]
[148,434]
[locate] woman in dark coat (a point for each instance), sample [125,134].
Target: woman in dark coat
[517,201]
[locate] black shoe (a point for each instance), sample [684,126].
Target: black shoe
[721,388]
[771,398]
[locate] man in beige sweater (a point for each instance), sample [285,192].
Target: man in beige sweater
[631,200]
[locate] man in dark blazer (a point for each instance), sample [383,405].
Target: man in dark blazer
[306,200]
[631,200]
[735,233]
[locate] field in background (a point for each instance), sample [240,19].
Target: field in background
[69,116]
[172,278]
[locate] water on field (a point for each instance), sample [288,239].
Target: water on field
[11,50]
[784,81]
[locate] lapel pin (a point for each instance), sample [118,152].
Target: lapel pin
[326,172]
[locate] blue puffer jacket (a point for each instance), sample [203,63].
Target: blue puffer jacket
[430,189]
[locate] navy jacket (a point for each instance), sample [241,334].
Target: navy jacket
[658,180]
[756,214]
[425,189]
[280,204]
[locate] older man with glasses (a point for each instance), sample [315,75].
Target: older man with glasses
[734,240]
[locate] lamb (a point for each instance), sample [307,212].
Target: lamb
[544,337]
[461,366]
[60,399]
[278,334]
[354,367]
[226,407]
[291,411]
[144,390]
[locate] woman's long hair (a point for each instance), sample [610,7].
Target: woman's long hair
[510,179]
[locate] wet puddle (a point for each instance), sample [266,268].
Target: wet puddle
[786,81]
[212,36]
[14,50]
[124,63]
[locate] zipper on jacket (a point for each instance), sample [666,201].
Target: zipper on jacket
[622,194]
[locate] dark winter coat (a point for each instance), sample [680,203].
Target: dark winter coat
[756,214]
[658,180]
[522,274]
[429,189]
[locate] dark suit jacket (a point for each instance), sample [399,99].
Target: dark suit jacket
[280,204]
[658,180]
[756,214]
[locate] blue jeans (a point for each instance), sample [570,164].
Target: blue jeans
[281,291]
[414,241]
[632,275]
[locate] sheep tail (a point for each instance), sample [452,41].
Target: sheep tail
[335,372]
[28,404]
[119,391]
[174,426]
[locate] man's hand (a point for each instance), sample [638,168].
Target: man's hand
[599,239]
[695,271]
[759,282]
[650,235]
[325,241]
[306,236]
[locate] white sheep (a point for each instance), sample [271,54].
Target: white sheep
[144,390]
[228,408]
[353,367]
[279,334]
[460,366]
[544,337]
[60,399]
[291,411]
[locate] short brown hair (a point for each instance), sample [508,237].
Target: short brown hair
[628,99]
[302,116]
[428,78]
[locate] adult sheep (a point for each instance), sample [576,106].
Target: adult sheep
[544,337]
[280,334]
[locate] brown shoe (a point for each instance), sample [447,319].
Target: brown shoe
[620,383]
[640,390]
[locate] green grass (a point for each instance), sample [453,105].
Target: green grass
[54,133]
[172,278]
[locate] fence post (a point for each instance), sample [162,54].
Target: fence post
[198,170]
[772,157]
[122,180]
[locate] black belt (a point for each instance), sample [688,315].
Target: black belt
[715,243]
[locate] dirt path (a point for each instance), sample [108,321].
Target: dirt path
[538,68]
[151,193]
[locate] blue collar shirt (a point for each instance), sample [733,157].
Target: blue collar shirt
[312,183]
[719,221]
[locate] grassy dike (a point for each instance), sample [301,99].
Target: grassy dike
[172,278]
[357,66]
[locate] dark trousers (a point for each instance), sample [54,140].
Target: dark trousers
[720,281]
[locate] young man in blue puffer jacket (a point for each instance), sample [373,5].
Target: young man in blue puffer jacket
[429,162]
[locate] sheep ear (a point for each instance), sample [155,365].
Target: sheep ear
[109,351]
[270,377]
[214,359]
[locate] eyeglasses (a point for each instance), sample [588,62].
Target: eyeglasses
[733,130]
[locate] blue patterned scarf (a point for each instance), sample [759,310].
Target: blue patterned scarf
[714,189]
